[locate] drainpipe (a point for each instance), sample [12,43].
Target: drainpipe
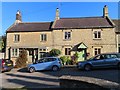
[117,43]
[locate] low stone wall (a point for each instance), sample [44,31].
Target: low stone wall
[87,82]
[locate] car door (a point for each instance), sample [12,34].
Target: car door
[111,60]
[46,64]
[40,65]
[98,61]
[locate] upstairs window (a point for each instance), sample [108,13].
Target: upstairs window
[16,38]
[97,35]
[43,37]
[67,36]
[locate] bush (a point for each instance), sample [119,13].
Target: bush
[55,52]
[21,61]
[76,56]
[66,60]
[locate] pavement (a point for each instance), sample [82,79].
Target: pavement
[20,78]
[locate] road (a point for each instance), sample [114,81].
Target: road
[49,79]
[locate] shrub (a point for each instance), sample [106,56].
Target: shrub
[55,52]
[66,60]
[21,61]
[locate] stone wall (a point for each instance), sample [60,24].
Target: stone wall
[87,83]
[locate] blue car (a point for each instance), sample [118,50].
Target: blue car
[105,60]
[47,63]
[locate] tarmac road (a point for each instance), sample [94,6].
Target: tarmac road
[49,79]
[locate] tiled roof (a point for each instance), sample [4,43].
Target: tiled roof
[87,22]
[23,27]
[62,23]
[117,23]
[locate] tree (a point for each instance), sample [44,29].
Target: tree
[2,43]
[55,52]
[21,61]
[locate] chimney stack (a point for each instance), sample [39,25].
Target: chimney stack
[18,17]
[57,14]
[105,11]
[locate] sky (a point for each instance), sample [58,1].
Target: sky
[45,11]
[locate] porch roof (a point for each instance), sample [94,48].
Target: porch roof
[79,46]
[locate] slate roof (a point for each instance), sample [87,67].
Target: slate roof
[62,23]
[117,23]
[87,22]
[35,26]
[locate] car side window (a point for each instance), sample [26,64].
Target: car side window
[107,56]
[41,61]
[118,55]
[52,59]
[113,56]
[99,57]
[46,59]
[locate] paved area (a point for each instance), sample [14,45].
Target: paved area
[49,79]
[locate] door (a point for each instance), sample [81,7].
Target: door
[81,55]
[111,59]
[99,61]
[43,64]
[40,65]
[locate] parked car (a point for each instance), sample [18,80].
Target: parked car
[5,65]
[47,63]
[105,60]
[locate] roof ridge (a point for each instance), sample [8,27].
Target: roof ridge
[35,22]
[81,17]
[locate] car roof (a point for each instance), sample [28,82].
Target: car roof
[109,53]
[49,57]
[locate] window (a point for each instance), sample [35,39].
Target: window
[67,36]
[67,51]
[43,37]
[111,56]
[97,51]
[14,52]
[99,57]
[16,37]
[97,35]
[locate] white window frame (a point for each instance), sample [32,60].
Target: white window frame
[16,37]
[68,50]
[97,34]
[67,35]
[97,50]
[14,52]
[43,37]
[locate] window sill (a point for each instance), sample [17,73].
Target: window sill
[66,39]
[14,56]
[97,38]
[16,41]
[43,41]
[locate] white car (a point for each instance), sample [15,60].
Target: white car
[47,63]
